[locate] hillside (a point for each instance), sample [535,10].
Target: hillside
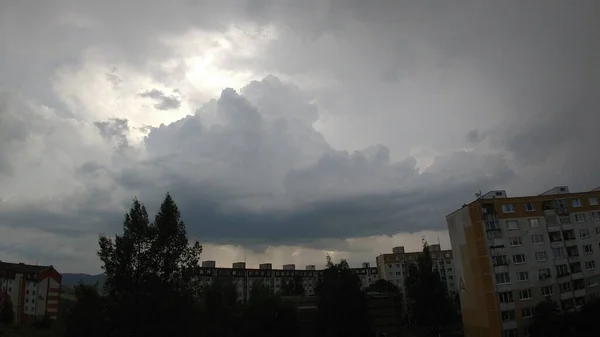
[69,280]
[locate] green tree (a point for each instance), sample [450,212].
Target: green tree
[266,314]
[383,286]
[585,323]
[293,287]
[150,272]
[427,295]
[7,314]
[88,316]
[547,321]
[220,312]
[342,305]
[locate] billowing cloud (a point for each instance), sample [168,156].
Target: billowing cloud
[378,118]
[163,101]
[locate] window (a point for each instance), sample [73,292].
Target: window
[562,269]
[510,333]
[597,230]
[541,256]
[559,253]
[564,220]
[547,291]
[508,208]
[576,202]
[494,234]
[593,201]
[587,249]
[492,225]
[528,312]
[580,217]
[512,224]
[499,260]
[534,223]
[525,294]
[590,265]
[596,216]
[529,207]
[515,241]
[519,258]
[508,315]
[584,233]
[505,297]
[544,273]
[593,281]
[564,287]
[537,239]
[561,203]
[502,278]
[522,276]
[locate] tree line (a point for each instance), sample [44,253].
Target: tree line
[550,321]
[152,288]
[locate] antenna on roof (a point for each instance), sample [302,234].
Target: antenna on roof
[478,195]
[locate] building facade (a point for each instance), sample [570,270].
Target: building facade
[34,291]
[275,279]
[512,253]
[394,267]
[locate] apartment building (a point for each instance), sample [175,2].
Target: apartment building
[394,267]
[275,279]
[512,253]
[34,291]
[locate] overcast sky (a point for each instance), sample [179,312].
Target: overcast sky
[286,129]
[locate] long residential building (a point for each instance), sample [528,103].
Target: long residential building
[34,291]
[394,267]
[512,253]
[243,277]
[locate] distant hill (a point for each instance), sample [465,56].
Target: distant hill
[69,280]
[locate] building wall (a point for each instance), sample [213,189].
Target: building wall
[471,262]
[529,239]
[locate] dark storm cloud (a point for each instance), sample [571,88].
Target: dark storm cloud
[163,101]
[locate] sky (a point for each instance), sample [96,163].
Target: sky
[286,130]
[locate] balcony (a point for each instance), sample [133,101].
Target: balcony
[562,210]
[554,228]
[566,296]
[579,293]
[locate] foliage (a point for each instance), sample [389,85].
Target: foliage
[150,274]
[342,305]
[293,287]
[427,294]
[7,314]
[549,321]
[219,312]
[383,286]
[266,314]
[88,316]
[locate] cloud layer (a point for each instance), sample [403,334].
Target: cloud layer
[286,128]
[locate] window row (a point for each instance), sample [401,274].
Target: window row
[560,203]
[545,273]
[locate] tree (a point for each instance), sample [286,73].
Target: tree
[427,294]
[7,314]
[547,321]
[585,323]
[383,286]
[293,287]
[266,314]
[220,313]
[150,273]
[88,315]
[342,305]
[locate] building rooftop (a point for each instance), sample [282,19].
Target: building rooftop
[553,193]
[22,267]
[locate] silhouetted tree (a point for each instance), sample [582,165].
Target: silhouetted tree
[383,286]
[342,305]
[585,322]
[267,315]
[293,287]
[547,321]
[220,312]
[88,316]
[427,294]
[7,314]
[150,274]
